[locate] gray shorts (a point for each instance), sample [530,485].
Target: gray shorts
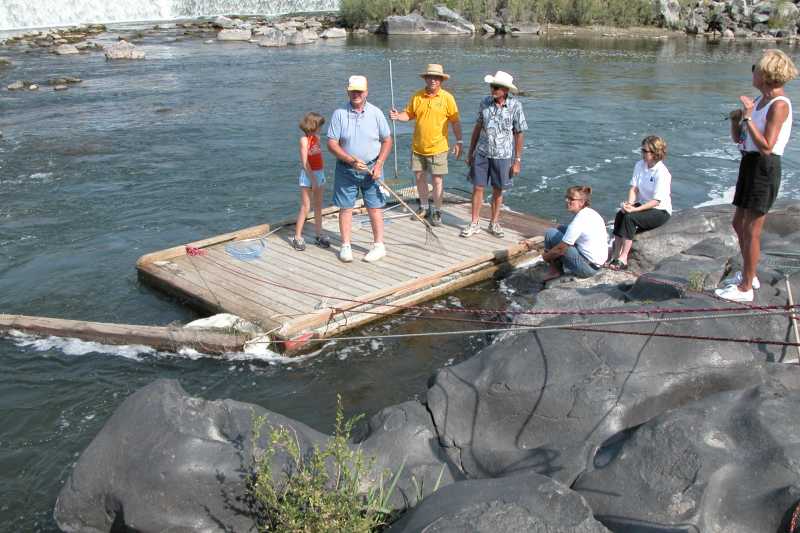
[496,172]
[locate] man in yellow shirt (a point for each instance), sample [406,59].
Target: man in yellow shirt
[433,109]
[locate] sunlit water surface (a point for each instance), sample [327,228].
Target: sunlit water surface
[200,139]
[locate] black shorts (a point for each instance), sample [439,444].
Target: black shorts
[759,181]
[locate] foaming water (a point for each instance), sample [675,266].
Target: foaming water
[15,14]
[199,140]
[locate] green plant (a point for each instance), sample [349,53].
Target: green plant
[319,491]
[696,281]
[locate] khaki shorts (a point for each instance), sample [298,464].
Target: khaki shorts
[435,164]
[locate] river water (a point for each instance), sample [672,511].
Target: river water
[200,139]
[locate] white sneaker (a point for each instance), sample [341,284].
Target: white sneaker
[470,229]
[378,251]
[346,253]
[733,294]
[737,279]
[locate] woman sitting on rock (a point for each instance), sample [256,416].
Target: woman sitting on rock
[581,247]
[649,203]
[762,129]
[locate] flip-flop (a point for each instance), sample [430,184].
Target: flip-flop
[617,265]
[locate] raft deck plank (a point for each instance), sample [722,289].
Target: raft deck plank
[312,293]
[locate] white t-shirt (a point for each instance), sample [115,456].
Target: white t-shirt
[653,184]
[587,232]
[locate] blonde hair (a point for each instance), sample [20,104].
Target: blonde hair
[656,145]
[311,122]
[584,191]
[776,68]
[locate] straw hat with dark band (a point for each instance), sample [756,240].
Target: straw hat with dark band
[435,70]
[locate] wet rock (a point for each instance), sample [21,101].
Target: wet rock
[66,49]
[234,34]
[525,502]
[728,34]
[729,462]
[525,29]
[334,33]
[446,14]
[487,29]
[16,86]
[223,22]
[416,24]
[272,38]
[166,460]
[404,435]
[33,87]
[123,50]
[60,88]
[5,63]
[301,37]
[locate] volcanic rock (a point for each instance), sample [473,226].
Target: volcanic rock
[123,50]
[729,462]
[525,502]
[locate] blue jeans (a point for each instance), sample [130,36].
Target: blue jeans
[347,182]
[572,259]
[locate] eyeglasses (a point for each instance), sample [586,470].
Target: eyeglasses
[568,199]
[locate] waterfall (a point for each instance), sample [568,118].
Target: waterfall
[16,14]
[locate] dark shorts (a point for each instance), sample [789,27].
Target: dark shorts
[759,181]
[495,171]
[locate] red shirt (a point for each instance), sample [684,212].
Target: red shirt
[314,153]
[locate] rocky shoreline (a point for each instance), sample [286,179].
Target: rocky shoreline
[686,422]
[770,20]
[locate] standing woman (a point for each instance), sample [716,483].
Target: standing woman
[649,203]
[765,124]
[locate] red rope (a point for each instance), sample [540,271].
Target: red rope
[496,311]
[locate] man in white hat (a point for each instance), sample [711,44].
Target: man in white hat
[433,109]
[495,149]
[360,138]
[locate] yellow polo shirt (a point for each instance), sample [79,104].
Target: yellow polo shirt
[432,114]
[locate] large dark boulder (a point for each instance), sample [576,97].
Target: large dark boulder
[547,400]
[525,502]
[729,462]
[404,435]
[166,461]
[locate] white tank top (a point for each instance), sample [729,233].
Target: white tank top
[759,118]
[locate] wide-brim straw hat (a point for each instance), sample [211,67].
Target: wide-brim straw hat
[434,69]
[503,79]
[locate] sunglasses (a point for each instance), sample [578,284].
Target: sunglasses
[646,151]
[567,198]
[495,87]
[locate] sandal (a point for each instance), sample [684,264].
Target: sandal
[322,241]
[298,244]
[617,265]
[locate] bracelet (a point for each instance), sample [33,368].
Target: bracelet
[459,142]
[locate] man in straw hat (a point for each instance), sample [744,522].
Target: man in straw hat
[495,149]
[360,138]
[433,109]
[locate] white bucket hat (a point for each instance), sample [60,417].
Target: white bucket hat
[504,79]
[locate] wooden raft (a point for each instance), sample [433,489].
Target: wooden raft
[299,295]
